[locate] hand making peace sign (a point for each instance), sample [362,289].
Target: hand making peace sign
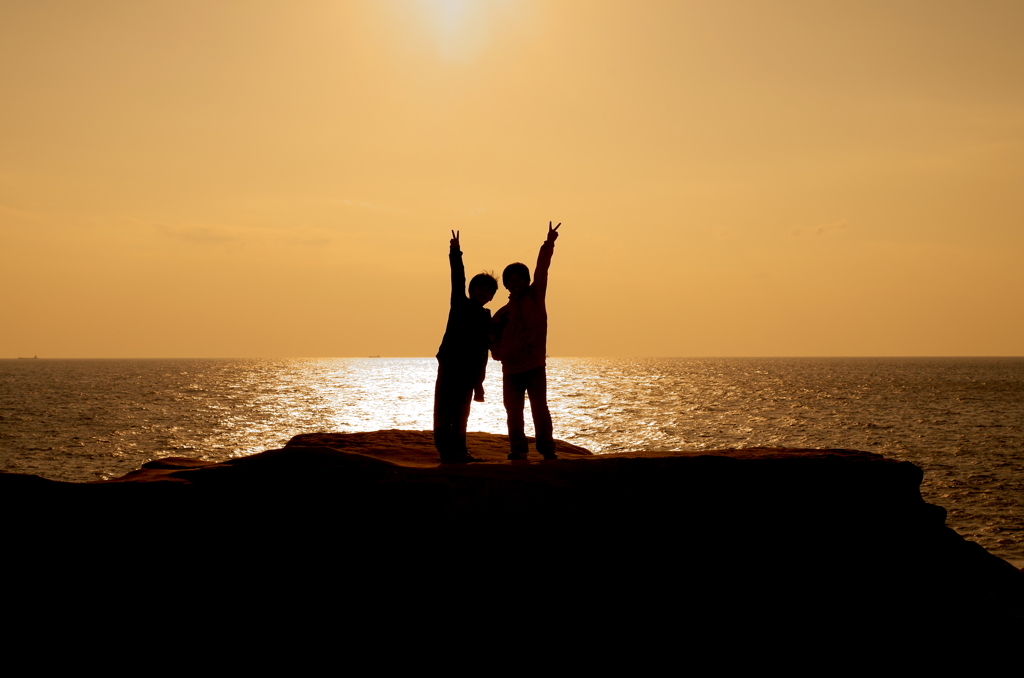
[553,232]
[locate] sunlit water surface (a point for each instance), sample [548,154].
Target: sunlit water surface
[961,420]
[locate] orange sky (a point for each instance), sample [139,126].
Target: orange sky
[785,178]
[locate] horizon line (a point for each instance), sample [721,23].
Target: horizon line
[604,357]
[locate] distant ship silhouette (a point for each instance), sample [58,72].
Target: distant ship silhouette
[35,357]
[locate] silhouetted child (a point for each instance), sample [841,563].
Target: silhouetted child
[462,358]
[519,341]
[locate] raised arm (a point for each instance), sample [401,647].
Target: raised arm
[540,274]
[458,268]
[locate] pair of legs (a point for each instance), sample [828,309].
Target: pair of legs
[515,388]
[453,395]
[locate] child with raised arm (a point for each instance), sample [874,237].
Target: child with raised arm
[519,340]
[462,358]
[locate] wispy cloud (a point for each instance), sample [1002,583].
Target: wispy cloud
[198,233]
[16,213]
[307,236]
[362,204]
[213,234]
[297,204]
[821,229]
[355,203]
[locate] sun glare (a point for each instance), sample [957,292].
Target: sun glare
[448,15]
[462,28]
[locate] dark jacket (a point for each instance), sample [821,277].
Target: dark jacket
[466,337]
[520,327]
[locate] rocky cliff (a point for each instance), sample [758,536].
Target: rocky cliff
[785,534]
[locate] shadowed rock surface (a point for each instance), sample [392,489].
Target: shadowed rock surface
[806,536]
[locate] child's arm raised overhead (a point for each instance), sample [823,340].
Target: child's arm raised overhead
[540,274]
[458,268]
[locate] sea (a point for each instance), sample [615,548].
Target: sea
[960,419]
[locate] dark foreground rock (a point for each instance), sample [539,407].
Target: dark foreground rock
[792,536]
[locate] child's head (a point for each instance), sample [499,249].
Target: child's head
[482,287]
[516,277]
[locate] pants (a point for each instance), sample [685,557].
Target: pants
[515,388]
[453,394]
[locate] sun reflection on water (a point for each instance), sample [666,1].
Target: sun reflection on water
[392,393]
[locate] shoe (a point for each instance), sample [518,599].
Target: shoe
[516,456]
[549,456]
